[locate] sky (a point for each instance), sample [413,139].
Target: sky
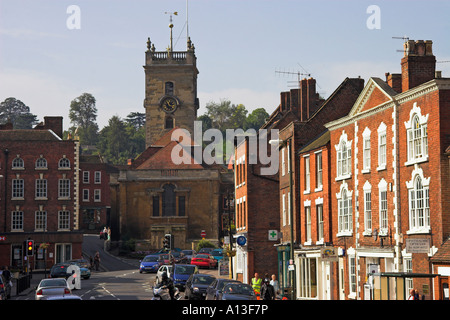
[248,51]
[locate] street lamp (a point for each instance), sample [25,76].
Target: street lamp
[287,143]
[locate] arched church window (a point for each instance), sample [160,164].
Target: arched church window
[169,200]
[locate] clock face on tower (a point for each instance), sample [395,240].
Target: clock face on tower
[169,104]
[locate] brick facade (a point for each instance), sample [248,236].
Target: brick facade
[39,195]
[396,179]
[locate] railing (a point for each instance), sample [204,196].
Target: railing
[174,55]
[23,283]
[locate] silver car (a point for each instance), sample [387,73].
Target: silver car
[52,287]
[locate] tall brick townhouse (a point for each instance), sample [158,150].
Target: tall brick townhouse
[299,118]
[390,188]
[39,195]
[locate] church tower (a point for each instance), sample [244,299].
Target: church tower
[170,90]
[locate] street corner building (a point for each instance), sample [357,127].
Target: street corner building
[39,198]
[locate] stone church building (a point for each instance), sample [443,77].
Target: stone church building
[153,196]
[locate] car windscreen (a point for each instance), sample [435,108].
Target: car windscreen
[203,280]
[184,269]
[151,259]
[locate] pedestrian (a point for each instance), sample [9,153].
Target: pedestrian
[91,262]
[416,295]
[412,295]
[97,261]
[267,290]
[276,285]
[256,283]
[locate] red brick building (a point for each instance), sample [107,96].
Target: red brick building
[390,181]
[300,118]
[95,192]
[39,198]
[256,214]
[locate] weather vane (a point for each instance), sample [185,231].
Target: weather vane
[171,26]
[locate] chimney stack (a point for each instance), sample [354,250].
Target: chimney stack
[418,63]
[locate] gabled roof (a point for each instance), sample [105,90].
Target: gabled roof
[317,142]
[28,135]
[375,93]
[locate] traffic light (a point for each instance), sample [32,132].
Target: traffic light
[168,241]
[29,247]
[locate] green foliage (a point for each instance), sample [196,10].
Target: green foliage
[119,141]
[83,114]
[204,244]
[16,112]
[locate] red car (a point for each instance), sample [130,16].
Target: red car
[204,260]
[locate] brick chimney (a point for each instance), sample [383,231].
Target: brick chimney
[418,63]
[52,123]
[394,81]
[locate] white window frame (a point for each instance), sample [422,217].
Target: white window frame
[366,150]
[283,162]
[308,222]
[419,209]
[97,177]
[343,158]
[352,276]
[283,201]
[40,220]
[345,211]
[319,171]
[307,174]
[63,220]
[320,221]
[40,188]
[85,195]
[16,220]
[383,208]
[18,163]
[367,188]
[18,188]
[86,176]
[417,136]
[64,189]
[98,195]
[382,147]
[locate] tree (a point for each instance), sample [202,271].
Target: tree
[256,119]
[225,115]
[136,119]
[15,111]
[119,141]
[83,114]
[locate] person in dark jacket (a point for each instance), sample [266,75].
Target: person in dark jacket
[267,290]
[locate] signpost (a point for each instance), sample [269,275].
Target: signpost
[203,234]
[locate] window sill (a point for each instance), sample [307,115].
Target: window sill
[423,230]
[344,177]
[381,167]
[365,171]
[416,160]
[344,234]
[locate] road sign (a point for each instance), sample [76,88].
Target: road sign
[273,235]
[203,234]
[241,240]
[2,238]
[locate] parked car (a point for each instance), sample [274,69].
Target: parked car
[84,267]
[196,286]
[59,270]
[180,274]
[150,263]
[166,258]
[217,254]
[52,287]
[5,288]
[189,254]
[164,268]
[205,250]
[179,257]
[215,289]
[237,291]
[62,297]
[204,260]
